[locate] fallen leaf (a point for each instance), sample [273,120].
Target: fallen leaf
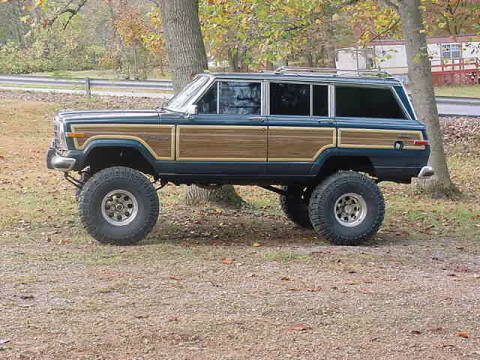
[434,328]
[4,342]
[141,316]
[256,244]
[299,328]
[285,278]
[306,289]
[227,261]
[462,334]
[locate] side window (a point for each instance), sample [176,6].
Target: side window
[289,99]
[320,100]
[208,103]
[367,102]
[240,98]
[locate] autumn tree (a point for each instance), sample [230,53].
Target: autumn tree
[453,17]
[253,33]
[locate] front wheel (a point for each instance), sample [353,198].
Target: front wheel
[347,208]
[118,206]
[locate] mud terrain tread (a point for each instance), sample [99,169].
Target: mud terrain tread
[323,200]
[94,190]
[294,207]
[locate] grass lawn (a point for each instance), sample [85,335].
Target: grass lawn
[459,91]
[412,293]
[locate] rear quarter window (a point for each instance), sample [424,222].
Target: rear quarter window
[352,101]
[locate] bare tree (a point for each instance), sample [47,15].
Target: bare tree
[420,74]
[187,57]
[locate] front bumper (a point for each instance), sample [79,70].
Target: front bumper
[58,162]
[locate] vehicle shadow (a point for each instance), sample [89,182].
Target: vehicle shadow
[246,230]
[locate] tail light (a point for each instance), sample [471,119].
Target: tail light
[421,142]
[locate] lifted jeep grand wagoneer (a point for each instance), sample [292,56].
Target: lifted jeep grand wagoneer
[322,139]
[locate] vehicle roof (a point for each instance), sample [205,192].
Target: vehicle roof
[308,77]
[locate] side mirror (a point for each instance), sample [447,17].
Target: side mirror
[192,110]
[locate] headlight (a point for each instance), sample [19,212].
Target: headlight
[59,132]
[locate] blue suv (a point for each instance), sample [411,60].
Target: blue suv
[320,138]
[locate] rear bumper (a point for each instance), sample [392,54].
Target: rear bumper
[426,172]
[58,162]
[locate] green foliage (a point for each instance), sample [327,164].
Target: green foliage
[258,32]
[47,55]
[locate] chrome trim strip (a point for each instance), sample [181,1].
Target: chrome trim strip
[264,98]
[331,101]
[311,100]
[267,98]
[218,96]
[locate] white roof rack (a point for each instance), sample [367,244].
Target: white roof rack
[332,72]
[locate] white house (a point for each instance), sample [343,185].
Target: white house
[448,54]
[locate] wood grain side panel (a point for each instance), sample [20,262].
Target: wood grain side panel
[298,143]
[221,143]
[158,139]
[378,139]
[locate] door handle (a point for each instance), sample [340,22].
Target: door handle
[257,118]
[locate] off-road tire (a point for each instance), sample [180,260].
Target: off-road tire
[295,206]
[323,207]
[109,180]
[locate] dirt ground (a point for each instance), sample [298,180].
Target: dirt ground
[211,283]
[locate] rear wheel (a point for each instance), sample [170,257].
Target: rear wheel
[347,208]
[118,206]
[294,204]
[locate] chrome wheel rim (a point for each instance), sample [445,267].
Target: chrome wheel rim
[119,207]
[350,209]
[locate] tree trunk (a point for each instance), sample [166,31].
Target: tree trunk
[183,40]
[186,58]
[330,59]
[233,59]
[420,74]
[225,196]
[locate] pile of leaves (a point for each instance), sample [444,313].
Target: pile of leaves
[461,134]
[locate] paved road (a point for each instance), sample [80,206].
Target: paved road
[458,106]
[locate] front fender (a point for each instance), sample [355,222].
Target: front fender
[117,143]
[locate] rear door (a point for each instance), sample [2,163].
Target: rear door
[228,136]
[373,121]
[300,127]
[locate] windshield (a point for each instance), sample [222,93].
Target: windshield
[179,101]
